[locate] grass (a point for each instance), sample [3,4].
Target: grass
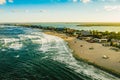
[99,24]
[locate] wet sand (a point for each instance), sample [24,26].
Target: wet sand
[93,53]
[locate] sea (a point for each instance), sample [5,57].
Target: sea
[29,54]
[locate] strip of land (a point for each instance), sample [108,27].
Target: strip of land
[99,24]
[93,53]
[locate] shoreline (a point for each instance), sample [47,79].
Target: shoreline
[92,57]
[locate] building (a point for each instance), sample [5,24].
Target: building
[102,40]
[85,33]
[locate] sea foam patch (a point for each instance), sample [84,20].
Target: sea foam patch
[37,41]
[10,43]
[16,46]
[34,38]
[28,36]
[6,41]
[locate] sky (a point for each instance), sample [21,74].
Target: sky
[59,11]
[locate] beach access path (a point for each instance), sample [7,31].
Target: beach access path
[94,53]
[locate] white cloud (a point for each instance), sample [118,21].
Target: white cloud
[1,10]
[14,11]
[110,0]
[85,1]
[43,10]
[11,1]
[75,0]
[2,2]
[97,10]
[26,11]
[112,8]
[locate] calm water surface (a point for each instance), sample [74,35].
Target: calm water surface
[74,26]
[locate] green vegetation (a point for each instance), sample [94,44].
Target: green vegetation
[99,24]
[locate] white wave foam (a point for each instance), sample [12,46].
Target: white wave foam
[17,56]
[8,40]
[3,50]
[36,41]
[11,43]
[22,37]
[16,46]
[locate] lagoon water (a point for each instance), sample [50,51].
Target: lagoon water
[29,54]
[74,26]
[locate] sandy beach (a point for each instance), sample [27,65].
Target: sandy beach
[94,53]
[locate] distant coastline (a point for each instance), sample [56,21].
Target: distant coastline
[98,24]
[88,24]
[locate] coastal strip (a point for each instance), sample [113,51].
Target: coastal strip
[93,53]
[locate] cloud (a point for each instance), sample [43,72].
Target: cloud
[85,1]
[110,0]
[2,2]
[43,10]
[1,10]
[27,11]
[75,0]
[10,1]
[112,8]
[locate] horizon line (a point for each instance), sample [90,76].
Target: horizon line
[54,22]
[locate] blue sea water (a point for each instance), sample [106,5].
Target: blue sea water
[29,54]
